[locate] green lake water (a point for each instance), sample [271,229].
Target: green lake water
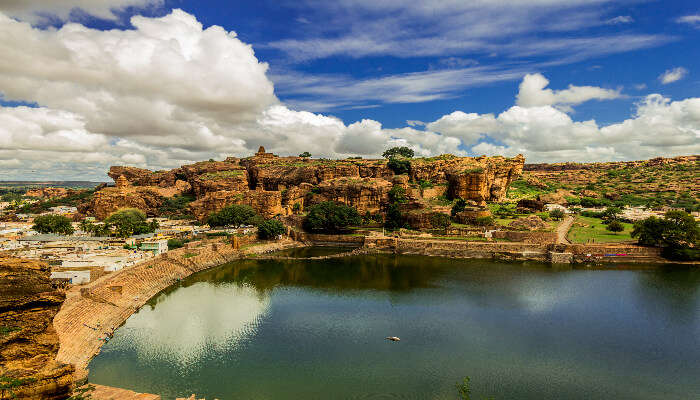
[262,329]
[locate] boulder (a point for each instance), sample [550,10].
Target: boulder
[530,223]
[531,204]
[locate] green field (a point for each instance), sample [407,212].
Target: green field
[595,230]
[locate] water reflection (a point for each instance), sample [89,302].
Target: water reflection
[315,330]
[192,321]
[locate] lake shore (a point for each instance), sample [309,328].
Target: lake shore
[92,312]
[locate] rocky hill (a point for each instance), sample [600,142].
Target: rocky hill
[275,185]
[28,341]
[657,182]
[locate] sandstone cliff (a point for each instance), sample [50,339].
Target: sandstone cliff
[275,185]
[28,341]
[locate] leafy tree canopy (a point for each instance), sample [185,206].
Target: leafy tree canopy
[270,229]
[458,207]
[331,217]
[677,229]
[52,223]
[233,215]
[398,166]
[556,214]
[305,154]
[130,221]
[615,226]
[402,151]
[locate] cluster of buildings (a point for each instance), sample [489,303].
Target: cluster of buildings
[80,258]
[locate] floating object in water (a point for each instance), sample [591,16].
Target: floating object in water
[393,338]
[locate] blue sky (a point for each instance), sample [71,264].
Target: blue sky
[626,65]
[265,24]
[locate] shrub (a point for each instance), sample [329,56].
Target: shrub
[423,184]
[440,221]
[591,214]
[399,167]
[296,207]
[458,207]
[615,226]
[53,224]
[331,217]
[556,214]
[233,215]
[594,202]
[270,229]
[397,194]
[305,154]
[175,244]
[398,151]
[484,221]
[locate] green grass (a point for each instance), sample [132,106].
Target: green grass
[596,230]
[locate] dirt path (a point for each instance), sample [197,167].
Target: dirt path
[563,229]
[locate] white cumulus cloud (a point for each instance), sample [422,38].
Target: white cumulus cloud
[533,92]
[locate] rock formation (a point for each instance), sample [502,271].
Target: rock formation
[275,185]
[28,341]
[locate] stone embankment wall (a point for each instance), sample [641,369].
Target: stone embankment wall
[90,313]
[537,251]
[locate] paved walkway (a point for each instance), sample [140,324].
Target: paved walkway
[563,229]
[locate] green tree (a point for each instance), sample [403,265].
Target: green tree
[398,151]
[399,166]
[53,224]
[611,213]
[331,217]
[397,194]
[305,154]
[458,207]
[556,214]
[394,217]
[615,226]
[129,221]
[270,229]
[677,229]
[233,215]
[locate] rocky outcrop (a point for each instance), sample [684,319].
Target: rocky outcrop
[109,200]
[364,194]
[28,341]
[283,185]
[266,203]
[50,192]
[531,223]
[485,178]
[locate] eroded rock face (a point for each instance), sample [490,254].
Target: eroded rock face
[266,203]
[273,185]
[49,192]
[484,179]
[28,341]
[364,194]
[109,200]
